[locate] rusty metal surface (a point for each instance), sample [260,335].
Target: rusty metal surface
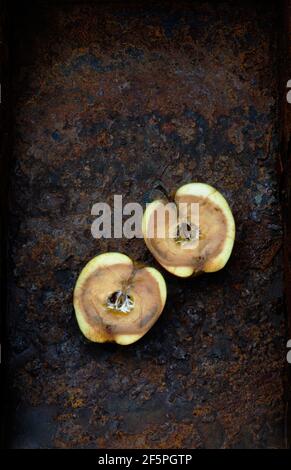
[5,145]
[108,99]
[285,165]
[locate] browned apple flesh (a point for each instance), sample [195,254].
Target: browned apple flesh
[186,248]
[116,300]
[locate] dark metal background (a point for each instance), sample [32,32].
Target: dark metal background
[285,73]
[108,98]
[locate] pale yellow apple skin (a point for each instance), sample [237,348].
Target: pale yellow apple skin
[129,339]
[204,191]
[100,261]
[105,259]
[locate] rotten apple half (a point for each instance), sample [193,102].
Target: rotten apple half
[116,300]
[181,246]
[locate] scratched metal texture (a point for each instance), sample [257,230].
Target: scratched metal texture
[109,98]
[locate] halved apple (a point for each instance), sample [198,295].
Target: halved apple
[183,247]
[116,300]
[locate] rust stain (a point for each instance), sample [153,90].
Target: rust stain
[108,99]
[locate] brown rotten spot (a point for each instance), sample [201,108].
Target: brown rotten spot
[116,300]
[183,247]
